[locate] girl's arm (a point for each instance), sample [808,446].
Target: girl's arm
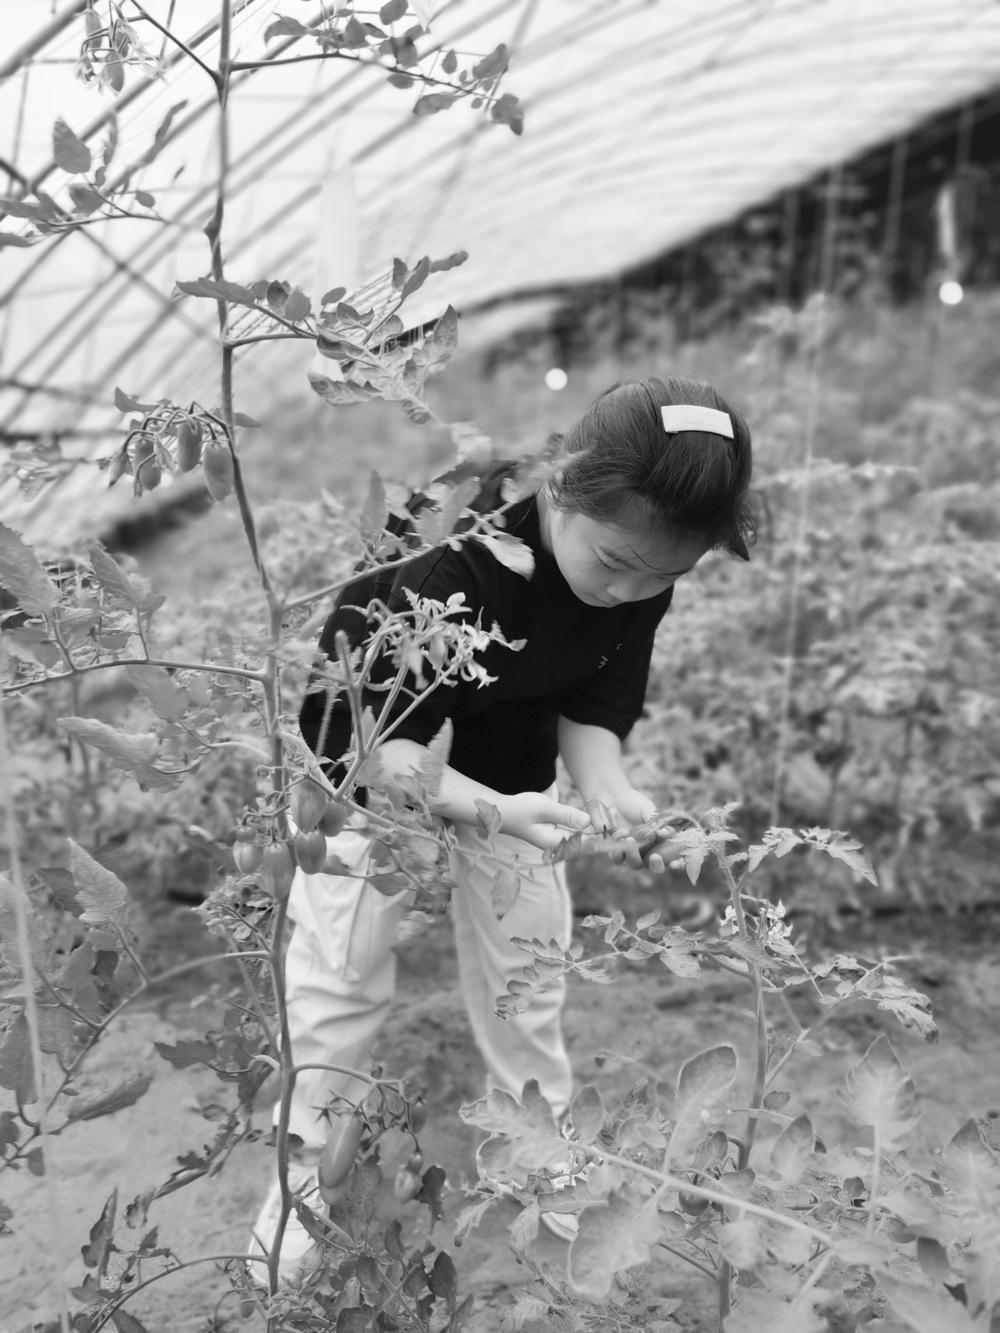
[593,759]
[529,815]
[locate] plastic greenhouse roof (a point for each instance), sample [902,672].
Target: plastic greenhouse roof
[647,122]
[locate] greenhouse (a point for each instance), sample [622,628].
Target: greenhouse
[498,632]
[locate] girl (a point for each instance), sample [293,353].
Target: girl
[655,474]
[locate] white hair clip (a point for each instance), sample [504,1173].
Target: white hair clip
[686,416]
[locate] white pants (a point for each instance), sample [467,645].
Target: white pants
[340,974]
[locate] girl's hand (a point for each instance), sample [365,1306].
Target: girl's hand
[629,805]
[618,812]
[539,820]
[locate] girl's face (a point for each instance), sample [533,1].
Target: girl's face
[606,566]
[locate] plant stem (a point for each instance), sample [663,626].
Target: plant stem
[876,1174]
[270,677]
[695,1263]
[288,1076]
[760,1017]
[814,1278]
[31,1004]
[233,343]
[666,1179]
[725,1281]
[760,1069]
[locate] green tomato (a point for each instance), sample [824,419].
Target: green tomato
[277,869]
[310,851]
[407,1184]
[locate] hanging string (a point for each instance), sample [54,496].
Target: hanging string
[952,226]
[894,208]
[56,1213]
[786,261]
[812,396]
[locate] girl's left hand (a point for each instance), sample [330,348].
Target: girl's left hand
[624,809]
[626,806]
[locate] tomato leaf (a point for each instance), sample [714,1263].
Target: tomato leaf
[511,552]
[703,1087]
[756,1310]
[115,1099]
[881,1095]
[587,1113]
[493,65]
[489,821]
[133,753]
[186,1053]
[433,765]
[97,1252]
[285,27]
[375,513]
[112,577]
[524,1134]
[125,1322]
[613,1236]
[166,698]
[297,306]
[22,574]
[505,891]
[430,103]
[416,278]
[85,200]
[793,1149]
[23,208]
[17,1070]
[70,152]
[925,1309]
[221,290]
[100,892]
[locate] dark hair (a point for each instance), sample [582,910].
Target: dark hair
[621,466]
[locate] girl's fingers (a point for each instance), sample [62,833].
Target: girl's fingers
[602,819]
[567,815]
[633,856]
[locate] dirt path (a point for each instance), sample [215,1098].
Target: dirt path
[647,1013]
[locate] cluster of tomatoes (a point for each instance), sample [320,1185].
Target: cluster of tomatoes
[315,818]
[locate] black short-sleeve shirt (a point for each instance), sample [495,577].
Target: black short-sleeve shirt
[588,664]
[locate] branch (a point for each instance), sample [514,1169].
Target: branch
[263,338]
[211,668]
[665,1178]
[182,46]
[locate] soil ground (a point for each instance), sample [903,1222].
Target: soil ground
[647,1013]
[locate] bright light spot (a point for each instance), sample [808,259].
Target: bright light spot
[556,379]
[950,292]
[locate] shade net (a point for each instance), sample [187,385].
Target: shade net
[645,124]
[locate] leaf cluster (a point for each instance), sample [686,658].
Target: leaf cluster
[98,195]
[813,1232]
[346,35]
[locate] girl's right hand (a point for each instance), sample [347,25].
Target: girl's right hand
[539,820]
